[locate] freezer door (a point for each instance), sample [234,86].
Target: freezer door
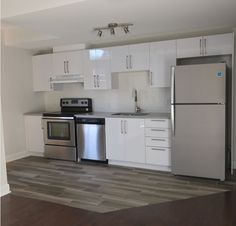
[203,83]
[199,141]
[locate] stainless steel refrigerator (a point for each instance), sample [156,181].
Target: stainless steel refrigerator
[198,96]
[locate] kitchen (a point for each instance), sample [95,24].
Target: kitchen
[120,79]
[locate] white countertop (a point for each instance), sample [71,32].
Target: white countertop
[110,115]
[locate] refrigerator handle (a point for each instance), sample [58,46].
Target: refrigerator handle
[172,84]
[173,119]
[173,100]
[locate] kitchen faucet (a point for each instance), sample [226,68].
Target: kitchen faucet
[137,108]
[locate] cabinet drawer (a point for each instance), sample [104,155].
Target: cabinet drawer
[158,156]
[158,142]
[158,123]
[157,132]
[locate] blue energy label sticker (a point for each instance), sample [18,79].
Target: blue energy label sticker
[220,74]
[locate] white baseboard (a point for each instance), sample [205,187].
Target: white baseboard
[140,165]
[5,190]
[15,156]
[38,154]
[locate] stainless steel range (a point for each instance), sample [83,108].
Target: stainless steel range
[59,128]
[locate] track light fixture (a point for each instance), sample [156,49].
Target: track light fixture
[111,27]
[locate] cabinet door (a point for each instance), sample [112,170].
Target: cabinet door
[34,134]
[67,63]
[119,59]
[218,44]
[162,57]
[74,64]
[189,47]
[42,71]
[59,63]
[115,143]
[139,57]
[134,140]
[97,69]
[103,68]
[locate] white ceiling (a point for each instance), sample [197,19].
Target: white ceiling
[74,22]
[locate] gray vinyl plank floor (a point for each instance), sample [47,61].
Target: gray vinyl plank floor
[102,188]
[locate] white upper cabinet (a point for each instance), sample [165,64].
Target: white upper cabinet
[130,58]
[189,47]
[97,69]
[42,71]
[139,57]
[68,63]
[219,44]
[162,57]
[119,59]
[205,46]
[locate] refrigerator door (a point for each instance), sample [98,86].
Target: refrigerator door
[203,83]
[199,141]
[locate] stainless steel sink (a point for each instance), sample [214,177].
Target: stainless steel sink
[130,114]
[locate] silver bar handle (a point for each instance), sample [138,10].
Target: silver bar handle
[159,130]
[98,81]
[158,139]
[67,66]
[151,78]
[201,46]
[205,47]
[126,127]
[127,66]
[94,81]
[172,100]
[121,127]
[158,149]
[130,62]
[64,67]
[158,120]
[173,119]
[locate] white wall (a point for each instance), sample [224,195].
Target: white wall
[122,99]
[17,98]
[4,187]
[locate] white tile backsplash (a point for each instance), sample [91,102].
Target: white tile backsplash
[121,99]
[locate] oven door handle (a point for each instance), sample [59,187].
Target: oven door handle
[58,118]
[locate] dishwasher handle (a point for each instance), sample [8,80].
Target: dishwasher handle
[97,121]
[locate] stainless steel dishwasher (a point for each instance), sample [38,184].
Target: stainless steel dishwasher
[91,144]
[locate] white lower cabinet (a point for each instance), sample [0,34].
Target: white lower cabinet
[125,139]
[136,142]
[34,134]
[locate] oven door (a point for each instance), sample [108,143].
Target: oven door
[59,131]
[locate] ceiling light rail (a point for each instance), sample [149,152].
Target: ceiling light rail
[111,27]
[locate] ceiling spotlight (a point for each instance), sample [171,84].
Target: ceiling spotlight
[112,30]
[126,29]
[99,33]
